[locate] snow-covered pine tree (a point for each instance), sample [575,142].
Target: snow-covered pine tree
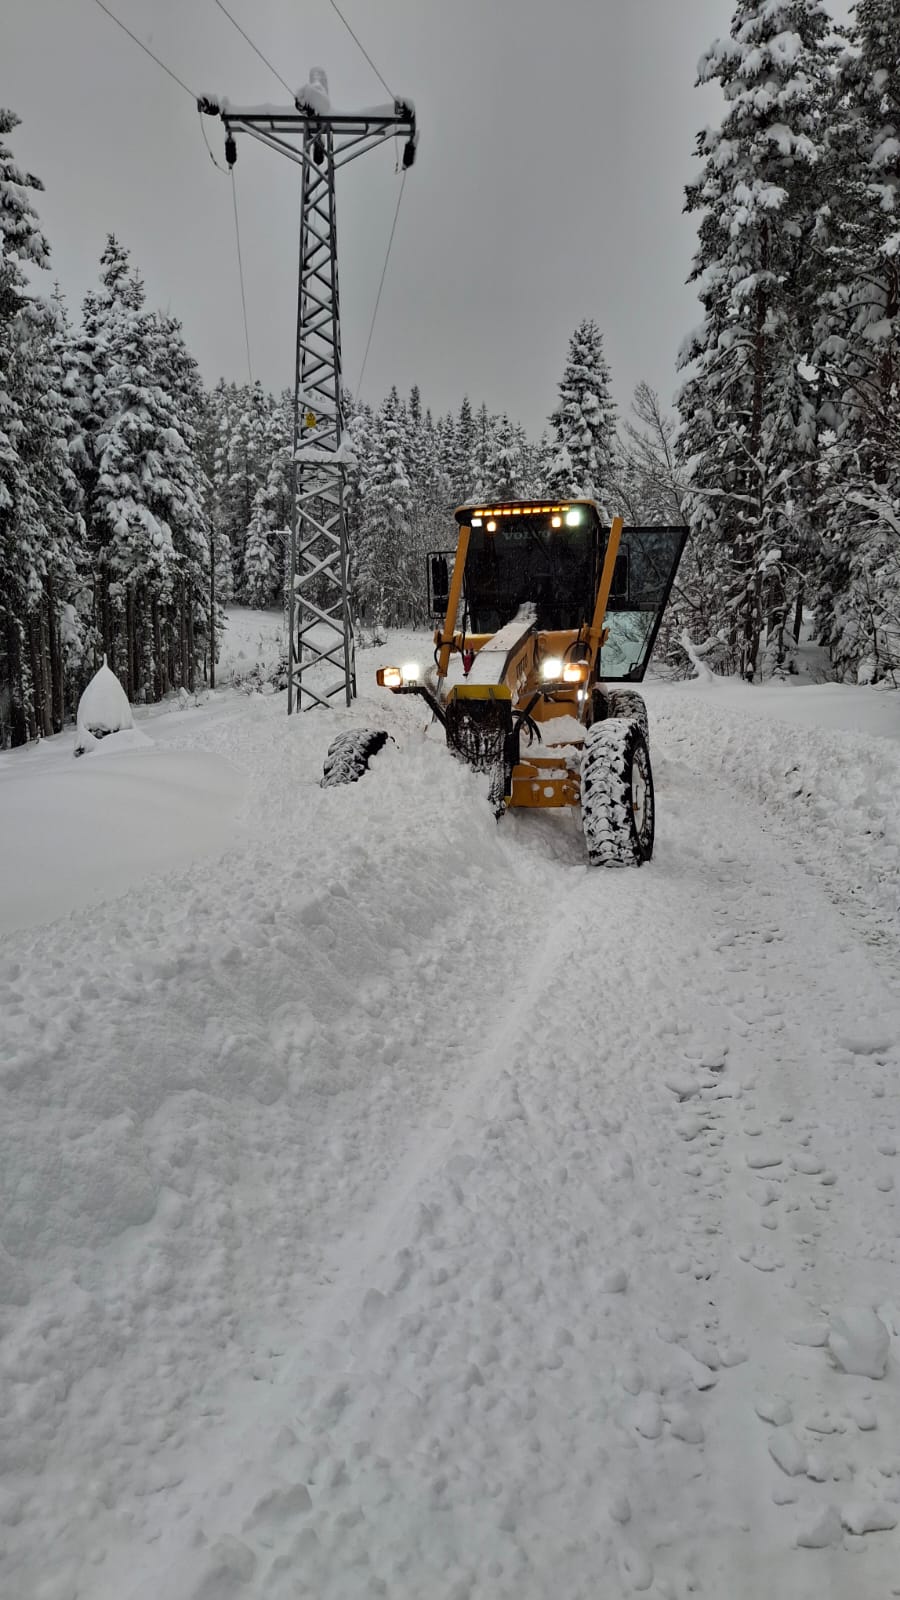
[384,582]
[39,527]
[263,567]
[64,621]
[503,475]
[461,440]
[359,425]
[482,452]
[143,490]
[584,421]
[431,510]
[219,576]
[419,453]
[748,408]
[245,469]
[180,497]
[268,533]
[537,464]
[858,352]
[220,413]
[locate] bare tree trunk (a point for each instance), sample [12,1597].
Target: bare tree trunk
[57,695]
[212,608]
[190,641]
[140,660]
[182,637]
[170,645]
[17,718]
[107,612]
[46,662]
[132,607]
[159,662]
[41,715]
[798,615]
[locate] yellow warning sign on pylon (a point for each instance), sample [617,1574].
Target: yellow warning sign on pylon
[310,419]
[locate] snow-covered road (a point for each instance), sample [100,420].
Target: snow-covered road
[393,1206]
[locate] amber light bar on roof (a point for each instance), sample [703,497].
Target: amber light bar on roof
[518,511]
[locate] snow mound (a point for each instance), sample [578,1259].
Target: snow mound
[102,709]
[116,743]
[74,833]
[859,1341]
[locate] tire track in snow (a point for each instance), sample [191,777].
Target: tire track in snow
[522,1381]
[554,1372]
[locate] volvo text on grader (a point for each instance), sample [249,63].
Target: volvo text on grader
[548,618]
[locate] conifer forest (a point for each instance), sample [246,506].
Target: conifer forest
[136,501]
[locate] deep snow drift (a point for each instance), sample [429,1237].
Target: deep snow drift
[390,1205]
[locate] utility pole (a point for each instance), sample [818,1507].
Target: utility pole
[320,141]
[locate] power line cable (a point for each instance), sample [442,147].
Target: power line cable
[255,48]
[237,227]
[362,47]
[237,235]
[147,51]
[387,258]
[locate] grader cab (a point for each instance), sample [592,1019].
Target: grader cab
[547,618]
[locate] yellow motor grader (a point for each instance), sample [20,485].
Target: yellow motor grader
[546,618]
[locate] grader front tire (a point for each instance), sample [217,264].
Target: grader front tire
[617,803]
[631,707]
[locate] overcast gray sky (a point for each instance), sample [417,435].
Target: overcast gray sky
[556,138]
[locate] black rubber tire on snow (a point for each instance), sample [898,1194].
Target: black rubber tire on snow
[630,706]
[349,755]
[617,804]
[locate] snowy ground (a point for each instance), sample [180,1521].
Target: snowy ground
[389,1205]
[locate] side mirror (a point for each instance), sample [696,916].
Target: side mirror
[439,584]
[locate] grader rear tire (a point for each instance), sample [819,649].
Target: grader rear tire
[617,804]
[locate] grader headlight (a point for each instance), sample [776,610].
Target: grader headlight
[575,671]
[552,669]
[389,678]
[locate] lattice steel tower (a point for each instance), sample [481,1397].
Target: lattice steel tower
[321,141]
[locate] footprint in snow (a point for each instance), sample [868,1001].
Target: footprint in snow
[636,1569]
[863,1414]
[759,1258]
[866,1044]
[646,1416]
[773,1408]
[809,1165]
[788,1453]
[812,1334]
[683,1425]
[759,1160]
[823,1528]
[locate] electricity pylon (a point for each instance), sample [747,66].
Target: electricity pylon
[321,141]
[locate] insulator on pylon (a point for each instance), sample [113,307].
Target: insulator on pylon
[230,149]
[318,152]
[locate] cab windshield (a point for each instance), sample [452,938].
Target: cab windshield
[521,558]
[517,559]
